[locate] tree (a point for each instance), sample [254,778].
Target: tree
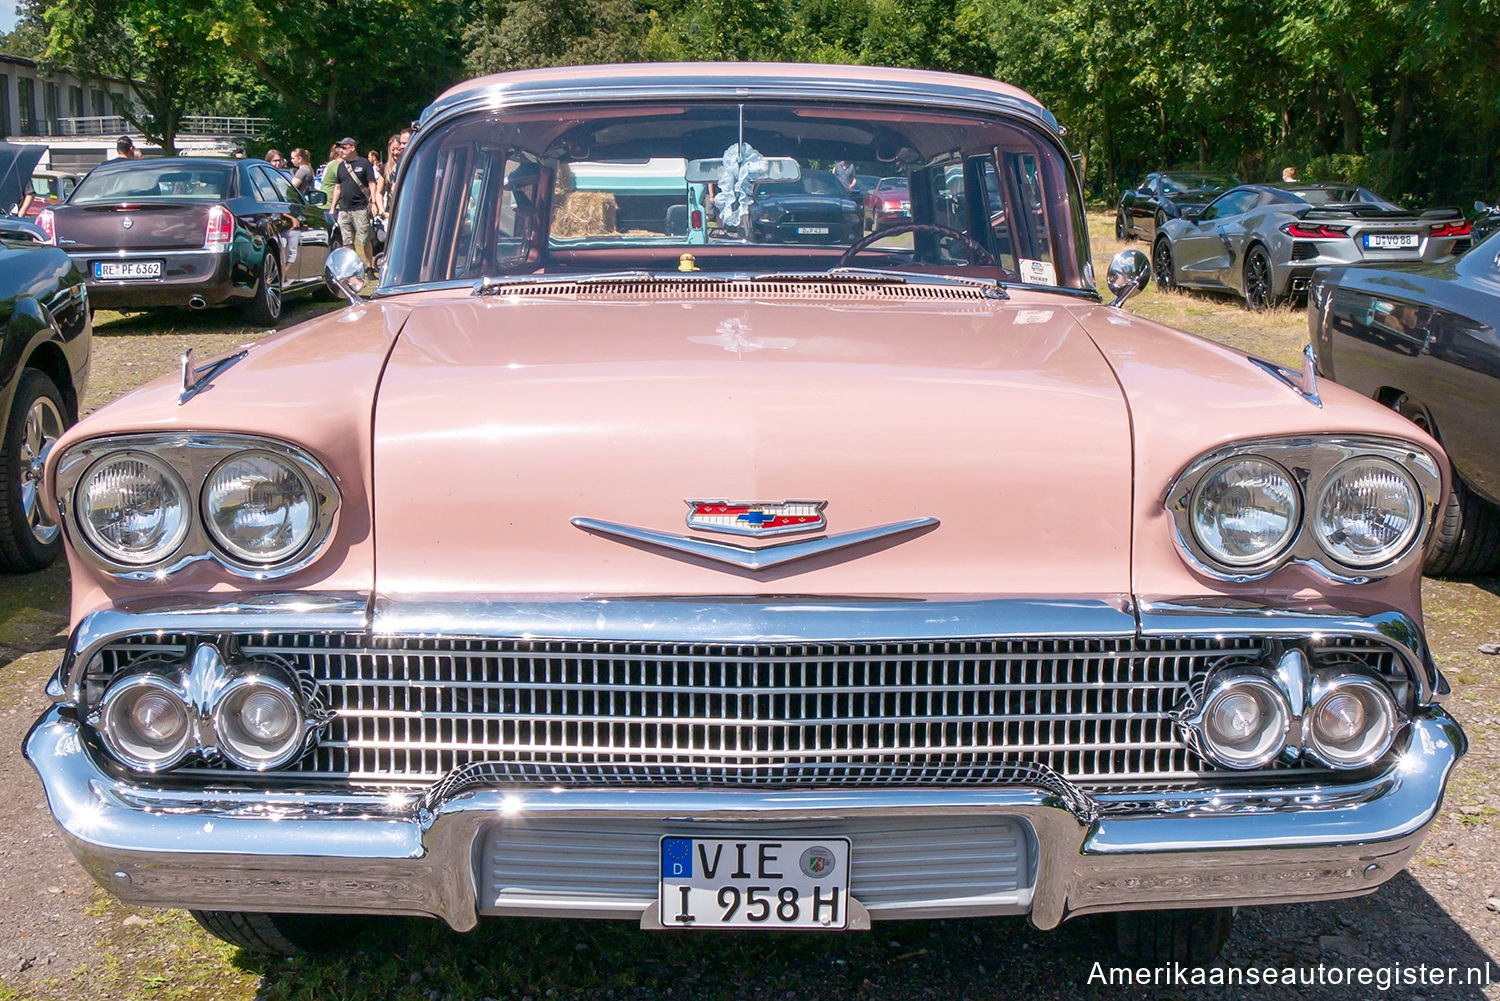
[158,47]
[523,34]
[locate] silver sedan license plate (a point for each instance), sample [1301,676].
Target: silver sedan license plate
[754,882]
[127,269]
[1390,241]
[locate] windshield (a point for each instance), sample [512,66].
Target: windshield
[164,179]
[734,188]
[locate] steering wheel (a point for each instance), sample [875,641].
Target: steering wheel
[977,253]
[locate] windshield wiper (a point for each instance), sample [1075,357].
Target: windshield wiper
[990,288]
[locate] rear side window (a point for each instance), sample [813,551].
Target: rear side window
[162,180]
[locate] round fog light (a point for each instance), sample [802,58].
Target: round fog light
[1352,723]
[259,721]
[144,723]
[1244,722]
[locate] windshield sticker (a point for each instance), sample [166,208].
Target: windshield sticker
[1038,272]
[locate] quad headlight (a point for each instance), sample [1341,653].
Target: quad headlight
[1369,510]
[146,505]
[144,721]
[1246,511]
[133,508]
[1353,508]
[259,507]
[259,721]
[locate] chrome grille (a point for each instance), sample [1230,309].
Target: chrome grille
[899,713]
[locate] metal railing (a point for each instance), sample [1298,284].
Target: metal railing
[189,125]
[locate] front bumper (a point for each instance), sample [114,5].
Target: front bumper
[290,851]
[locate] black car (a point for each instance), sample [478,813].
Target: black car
[194,231]
[1164,195]
[45,331]
[815,208]
[1423,340]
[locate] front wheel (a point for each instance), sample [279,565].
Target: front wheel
[265,308]
[29,538]
[1122,230]
[1160,938]
[1260,283]
[1161,264]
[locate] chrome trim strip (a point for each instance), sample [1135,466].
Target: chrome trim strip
[1309,459]
[193,456]
[1304,382]
[746,558]
[197,379]
[285,852]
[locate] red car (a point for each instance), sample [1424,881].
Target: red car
[888,203]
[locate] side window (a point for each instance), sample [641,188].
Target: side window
[999,219]
[950,208]
[265,188]
[285,189]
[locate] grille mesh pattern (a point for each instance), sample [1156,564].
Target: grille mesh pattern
[909,713]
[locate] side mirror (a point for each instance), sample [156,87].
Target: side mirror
[344,271]
[316,197]
[1128,274]
[1193,215]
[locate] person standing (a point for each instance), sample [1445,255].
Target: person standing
[302,173]
[275,159]
[328,181]
[125,149]
[356,200]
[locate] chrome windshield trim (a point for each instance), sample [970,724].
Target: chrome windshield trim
[748,558]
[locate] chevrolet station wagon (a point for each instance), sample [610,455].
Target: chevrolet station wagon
[719,575]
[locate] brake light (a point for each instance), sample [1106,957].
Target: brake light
[893,204]
[1451,229]
[48,225]
[697,222]
[1302,231]
[220,228]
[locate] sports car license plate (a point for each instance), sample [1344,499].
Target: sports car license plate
[1390,241]
[754,882]
[812,230]
[127,269]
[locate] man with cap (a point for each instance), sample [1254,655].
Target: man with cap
[356,199]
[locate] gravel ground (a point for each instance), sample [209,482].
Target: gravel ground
[63,938]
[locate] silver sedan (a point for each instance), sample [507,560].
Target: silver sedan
[1264,242]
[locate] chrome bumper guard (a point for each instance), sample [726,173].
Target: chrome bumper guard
[403,853]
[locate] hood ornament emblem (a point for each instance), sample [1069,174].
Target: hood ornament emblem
[756,518]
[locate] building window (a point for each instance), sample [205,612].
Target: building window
[26,99]
[75,101]
[97,97]
[49,108]
[4,104]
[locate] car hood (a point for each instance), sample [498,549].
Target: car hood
[17,161]
[500,421]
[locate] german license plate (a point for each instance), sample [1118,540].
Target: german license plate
[1390,241]
[127,269]
[812,230]
[754,882]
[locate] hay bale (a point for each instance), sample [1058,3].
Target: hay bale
[583,213]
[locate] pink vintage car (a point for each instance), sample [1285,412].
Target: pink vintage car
[602,566]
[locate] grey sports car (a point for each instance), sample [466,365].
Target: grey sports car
[1264,241]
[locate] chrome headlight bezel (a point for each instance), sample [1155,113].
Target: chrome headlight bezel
[193,458]
[170,478]
[1309,459]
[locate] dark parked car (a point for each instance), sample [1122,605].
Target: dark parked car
[1165,195]
[1264,241]
[1424,342]
[815,208]
[192,232]
[44,353]
[888,202]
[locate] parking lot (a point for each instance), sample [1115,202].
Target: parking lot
[62,937]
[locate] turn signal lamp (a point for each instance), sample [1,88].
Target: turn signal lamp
[220,229]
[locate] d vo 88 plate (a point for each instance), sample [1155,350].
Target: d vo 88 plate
[754,883]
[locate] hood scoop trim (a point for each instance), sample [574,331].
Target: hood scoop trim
[748,558]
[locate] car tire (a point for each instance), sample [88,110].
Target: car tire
[1161,265]
[1161,219]
[29,539]
[1122,228]
[1259,281]
[281,934]
[265,308]
[1160,938]
[1466,539]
